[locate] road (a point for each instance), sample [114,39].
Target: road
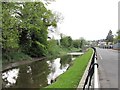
[108,67]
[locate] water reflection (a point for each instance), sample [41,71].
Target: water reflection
[10,77]
[37,74]
[56,69]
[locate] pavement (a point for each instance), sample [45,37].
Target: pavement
[108,67]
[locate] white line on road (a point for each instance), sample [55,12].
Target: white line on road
[100,56]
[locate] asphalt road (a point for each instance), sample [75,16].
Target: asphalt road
[108,67]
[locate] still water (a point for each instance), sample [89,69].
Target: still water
[37,74]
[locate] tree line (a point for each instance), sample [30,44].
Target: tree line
[25,29]
[113,38]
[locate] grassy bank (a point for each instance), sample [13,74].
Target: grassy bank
[53,50]
[71,78]
[14,57]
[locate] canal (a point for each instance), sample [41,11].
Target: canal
[38,74]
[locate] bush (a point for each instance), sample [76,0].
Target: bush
[54,49]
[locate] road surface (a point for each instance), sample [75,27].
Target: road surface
[108,67]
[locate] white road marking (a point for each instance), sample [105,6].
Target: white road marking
[100,56]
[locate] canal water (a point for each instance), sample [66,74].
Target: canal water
[37,74]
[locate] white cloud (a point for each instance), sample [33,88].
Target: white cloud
[91,19]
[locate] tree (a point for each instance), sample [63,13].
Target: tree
[10,36]
[66,41]
[118,34]
[79,43]
[117,37]
[35,20]
[109,37]
[25,26]
[76,43]
[82,42]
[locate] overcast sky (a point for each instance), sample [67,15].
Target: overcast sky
[91,19]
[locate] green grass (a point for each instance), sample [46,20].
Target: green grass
[14,57]
[71,78]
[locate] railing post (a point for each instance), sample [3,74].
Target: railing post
[96,82]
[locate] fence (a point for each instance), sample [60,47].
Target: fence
[92,76]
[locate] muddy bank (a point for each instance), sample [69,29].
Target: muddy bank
[12,65]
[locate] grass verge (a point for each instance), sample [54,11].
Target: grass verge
[15,57]
[71,78]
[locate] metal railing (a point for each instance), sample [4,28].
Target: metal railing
[92,76]
[96,84]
